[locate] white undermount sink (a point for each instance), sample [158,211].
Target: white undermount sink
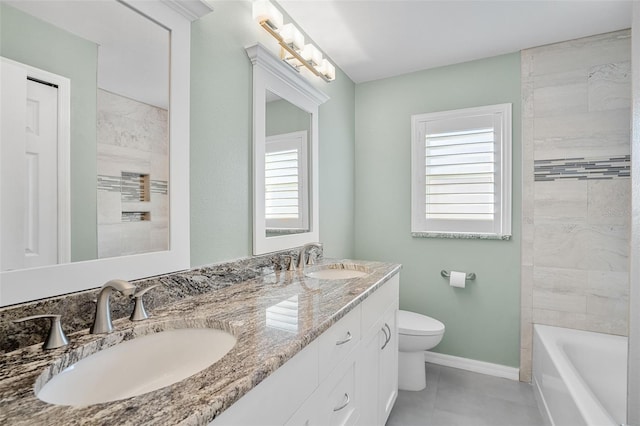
[137,366]
[337,272]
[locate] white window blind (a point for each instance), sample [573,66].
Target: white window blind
[462,172]
[285,181]
[282,193]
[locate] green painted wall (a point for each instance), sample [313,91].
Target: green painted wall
[221,138]
[34,42]
[483,320]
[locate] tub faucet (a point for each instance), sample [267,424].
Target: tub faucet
[303,253]
[102,321]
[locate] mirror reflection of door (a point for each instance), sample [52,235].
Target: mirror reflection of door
[287,203]
[35,231]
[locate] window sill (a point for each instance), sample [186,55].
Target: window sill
[460,235]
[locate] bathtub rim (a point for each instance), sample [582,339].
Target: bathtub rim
[588,405]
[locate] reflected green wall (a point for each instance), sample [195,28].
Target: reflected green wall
[483,320]
[221,138]
[34,42]
[284,117]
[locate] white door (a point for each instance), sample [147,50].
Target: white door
[29,172]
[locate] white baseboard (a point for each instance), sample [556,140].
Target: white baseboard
[481,367]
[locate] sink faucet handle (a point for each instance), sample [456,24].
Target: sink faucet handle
[303,253]
[56,337]
[139,312]
[310,259]
[291,266]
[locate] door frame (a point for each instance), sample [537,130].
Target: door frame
[64,151]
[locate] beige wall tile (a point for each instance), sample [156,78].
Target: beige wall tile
[609,86]
[562,280]
[560,100]
[609,201]
[561,200]
[550,299]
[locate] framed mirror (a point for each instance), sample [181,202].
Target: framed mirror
[285,154]
[118,199]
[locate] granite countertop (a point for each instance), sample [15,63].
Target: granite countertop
[239,309]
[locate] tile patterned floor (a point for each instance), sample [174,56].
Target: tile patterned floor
[456,397]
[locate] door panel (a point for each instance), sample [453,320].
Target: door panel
[29,157]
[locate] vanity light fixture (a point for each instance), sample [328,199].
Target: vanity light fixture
[292,48]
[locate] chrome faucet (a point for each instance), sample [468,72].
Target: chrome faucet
[102,321]
[303,254]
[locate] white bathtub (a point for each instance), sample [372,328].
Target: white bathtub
[580,377]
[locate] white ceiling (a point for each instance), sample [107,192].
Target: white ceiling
[373,39]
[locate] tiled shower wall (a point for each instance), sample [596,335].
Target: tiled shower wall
[133,140]
[576,188]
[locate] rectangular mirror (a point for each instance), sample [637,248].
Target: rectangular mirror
[121,70]
[87,85]
[285,154]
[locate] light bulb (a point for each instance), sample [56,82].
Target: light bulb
[292,36]
[264,10]
[312,54]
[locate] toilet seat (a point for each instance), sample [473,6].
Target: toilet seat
[414,324]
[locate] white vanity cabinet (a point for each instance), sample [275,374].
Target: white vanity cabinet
[347,376]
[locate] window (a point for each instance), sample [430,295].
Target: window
[461,173]
[286,181]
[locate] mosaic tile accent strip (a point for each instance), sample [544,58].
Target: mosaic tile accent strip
[114,184]
[135,187]
[159,187]
[582,168]
[109,183]
[136,216]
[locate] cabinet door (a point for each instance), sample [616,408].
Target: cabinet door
[388,366]
[339,396]
[369,377]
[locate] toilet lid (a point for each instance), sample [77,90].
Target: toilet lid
[414,324]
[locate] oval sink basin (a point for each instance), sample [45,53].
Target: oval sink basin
[337,272]
[137,366]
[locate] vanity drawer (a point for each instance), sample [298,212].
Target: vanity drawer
[338,341]
[374,305]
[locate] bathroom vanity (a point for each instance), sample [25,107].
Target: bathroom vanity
[308,351]
[349,375]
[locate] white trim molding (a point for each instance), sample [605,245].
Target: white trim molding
[482,367]
[260,56]
[633,370]
[190,9]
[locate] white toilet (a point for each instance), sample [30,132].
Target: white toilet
[416,333]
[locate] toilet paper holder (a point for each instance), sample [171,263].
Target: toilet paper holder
[470,275]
